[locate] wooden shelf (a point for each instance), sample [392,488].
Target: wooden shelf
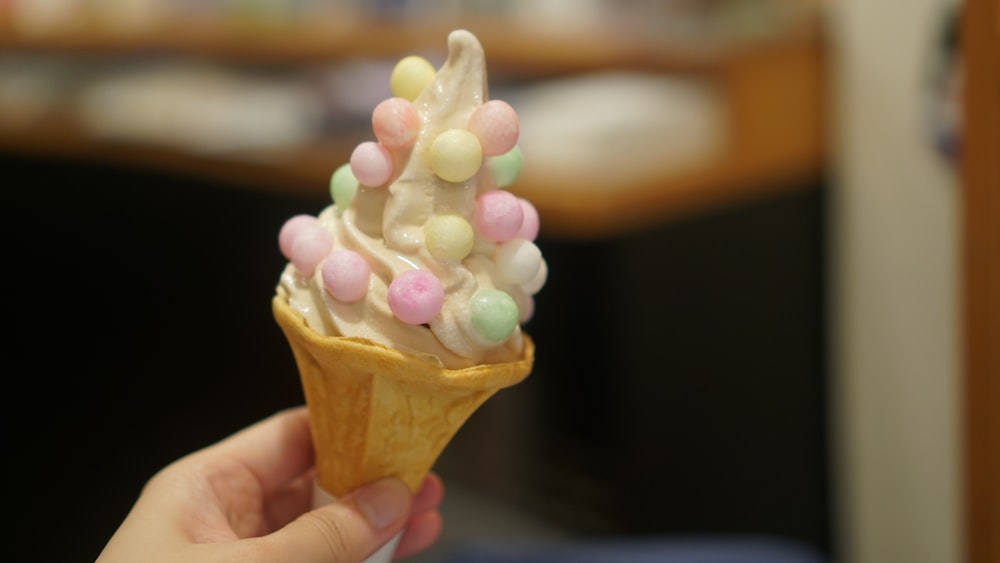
[777,140]
[509,46]
[773,91]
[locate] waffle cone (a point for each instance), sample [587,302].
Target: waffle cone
[377,412]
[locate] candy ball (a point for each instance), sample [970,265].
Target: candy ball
[343,186]
[415,296]
[345,275]
[507,167]
[291,229]
[518,260]
[494,314]
[448,237]
[529,228]
[536,283]
[395,123]
[456,155]
[371,164]
[309,248]
[498,215]
[410,76]
[495,124]
[526,309]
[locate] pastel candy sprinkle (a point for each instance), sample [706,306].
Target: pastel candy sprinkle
[291,229]
[526,309]
[343,186]
[395,123]
[498,215]
[310,246]
[456,155]
[507,167]
[410,76]
[371,164]
[518,260]
[448,237]
[495,124]
[345,275]
[415,296]
[529,228]
[494,314]
[535,285]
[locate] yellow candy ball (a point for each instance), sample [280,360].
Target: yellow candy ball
[410,76]
[456,155]
[448,237]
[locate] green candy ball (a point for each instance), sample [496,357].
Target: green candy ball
[507,167]
[494,314]
[343,186]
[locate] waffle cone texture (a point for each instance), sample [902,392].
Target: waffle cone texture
[377,412]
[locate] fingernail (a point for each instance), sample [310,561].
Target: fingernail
[383,502]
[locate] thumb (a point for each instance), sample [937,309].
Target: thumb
[349,529]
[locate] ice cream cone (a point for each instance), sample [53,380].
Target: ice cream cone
[377,412]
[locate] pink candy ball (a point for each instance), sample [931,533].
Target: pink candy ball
[495,124]
[291,229]
[395,123]
[345,275]
[371,164]
[499,215]
[416,296]
[310,247]
[529,228]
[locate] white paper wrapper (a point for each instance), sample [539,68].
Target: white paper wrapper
[384,553]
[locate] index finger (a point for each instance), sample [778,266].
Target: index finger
[276,449]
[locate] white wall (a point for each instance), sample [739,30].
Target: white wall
[895,268]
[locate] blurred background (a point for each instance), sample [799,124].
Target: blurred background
[750,209]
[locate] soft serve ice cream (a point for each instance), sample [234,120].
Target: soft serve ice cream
[423,249]
[403,300]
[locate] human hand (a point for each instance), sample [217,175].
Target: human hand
[248,498]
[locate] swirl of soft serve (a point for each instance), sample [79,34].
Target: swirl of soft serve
[423,249]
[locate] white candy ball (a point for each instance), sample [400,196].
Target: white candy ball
[518,260]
